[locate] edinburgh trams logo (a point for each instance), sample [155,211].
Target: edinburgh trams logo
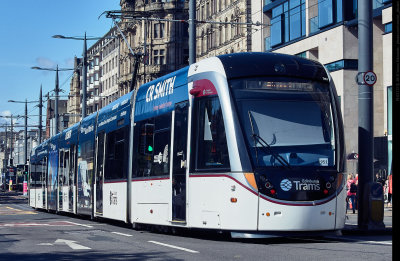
[300,185]
[286,185]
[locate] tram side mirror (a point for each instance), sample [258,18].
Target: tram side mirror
[147,139]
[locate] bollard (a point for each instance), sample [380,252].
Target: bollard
[377,202]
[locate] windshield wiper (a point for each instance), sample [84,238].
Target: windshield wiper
[265,146]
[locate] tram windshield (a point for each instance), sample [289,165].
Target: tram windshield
[287,122]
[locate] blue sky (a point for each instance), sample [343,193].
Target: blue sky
[26,27]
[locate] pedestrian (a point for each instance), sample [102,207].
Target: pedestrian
[351,192]
[380,179]
[390,190]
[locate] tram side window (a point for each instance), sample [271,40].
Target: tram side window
[33,176]
[116,146]
[152,139]
[211,146]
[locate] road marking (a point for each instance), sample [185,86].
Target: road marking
[72,244]
[9,211]
[378,242]
[172,246]
[77,224]
[50,224]
[122,234]
[360,241]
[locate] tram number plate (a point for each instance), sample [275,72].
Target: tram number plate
[323,161]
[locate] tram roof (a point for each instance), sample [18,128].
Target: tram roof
[115,114]
[69,136]
[255,64]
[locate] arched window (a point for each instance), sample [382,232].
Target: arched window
[226,30]
[233,27]
[201,42]
[221,40]
[238,27]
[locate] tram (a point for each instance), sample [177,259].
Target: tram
[246,143]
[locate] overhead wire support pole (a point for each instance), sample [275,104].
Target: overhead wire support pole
[137,57]
[192,31]
[40,115]
[26,133]
[84,77]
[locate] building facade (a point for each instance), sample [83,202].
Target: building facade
[163,42]
[74,107]
[326,31]
[221,27]
[50,117]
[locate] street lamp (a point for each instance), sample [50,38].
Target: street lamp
[57,89]
[26,127]
[84,63]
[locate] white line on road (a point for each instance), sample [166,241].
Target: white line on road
[378,242]
[77,224]
[71,244]
[122,234]
[172,246]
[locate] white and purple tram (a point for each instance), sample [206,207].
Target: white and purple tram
[247,143]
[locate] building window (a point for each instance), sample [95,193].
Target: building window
[267,43]
[313,24]
[325,12]
[302,54]
[388,28]
[349,64]
[159,30]
[159,57]
[288,22]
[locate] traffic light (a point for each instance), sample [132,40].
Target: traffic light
[26,169]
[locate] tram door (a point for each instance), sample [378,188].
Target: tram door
[100,173]
[66,180]
[179,162]
[71,177]
[60,179]
[44,182]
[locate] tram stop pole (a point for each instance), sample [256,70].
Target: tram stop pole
[370,194]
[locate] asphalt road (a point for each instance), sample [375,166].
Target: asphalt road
[28,234]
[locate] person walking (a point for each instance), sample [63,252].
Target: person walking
[351,193]
[390,190]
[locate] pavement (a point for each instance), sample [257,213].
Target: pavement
[351,224]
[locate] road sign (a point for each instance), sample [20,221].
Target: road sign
[370,78]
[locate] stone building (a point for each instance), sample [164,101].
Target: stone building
[226,36]
[164,42]
[74,107]
[108,71]
[50,117]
